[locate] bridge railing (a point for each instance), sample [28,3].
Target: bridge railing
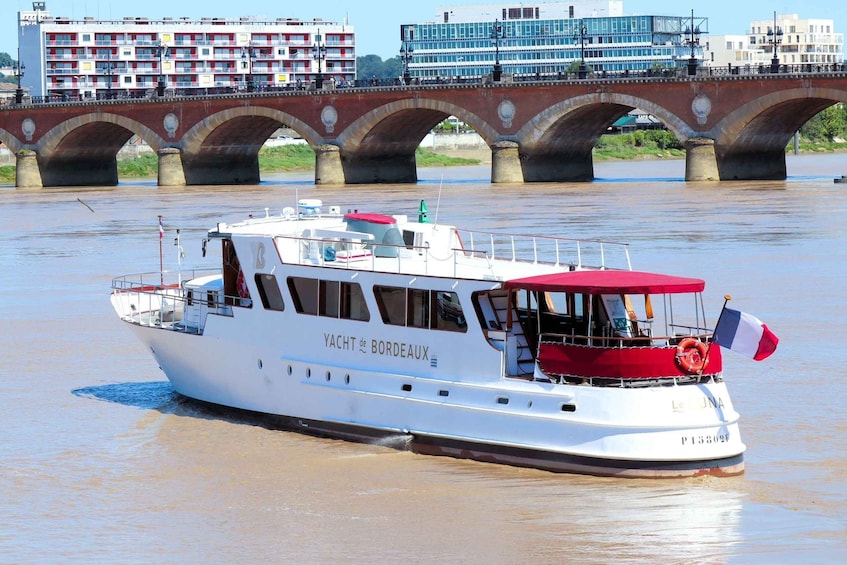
[300,88]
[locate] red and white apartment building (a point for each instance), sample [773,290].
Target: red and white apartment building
[133,56]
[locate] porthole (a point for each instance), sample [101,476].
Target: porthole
[529,404]
[290,370]
[407,387]
[308,373]
[260,364]
[502,400]
[347,379]
[443,393]
[568,408]
[328,376]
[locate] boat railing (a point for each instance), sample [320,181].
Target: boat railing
[612,339]
[150,299]
[553,250]
[351,251]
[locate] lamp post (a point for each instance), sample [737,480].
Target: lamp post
[692,39]
[19,73]
[248,55]
[406,57]
[109,75]
[580,33]
[775,38]
[161,52]
[319,54]
[496,35]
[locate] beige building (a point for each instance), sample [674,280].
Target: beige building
[797,41]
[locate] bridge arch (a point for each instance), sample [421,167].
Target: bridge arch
[224,147]
[380,145]
[750,141]
[556,144]
[66,156]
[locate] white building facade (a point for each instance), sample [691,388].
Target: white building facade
[81,58]
[805,44]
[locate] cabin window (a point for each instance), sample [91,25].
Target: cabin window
[330,299]
[269,292]
[420,308]
[304,293]
[418,302]
[353,306]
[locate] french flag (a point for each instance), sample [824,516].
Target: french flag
[744,334]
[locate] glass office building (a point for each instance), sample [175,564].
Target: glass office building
[548,39]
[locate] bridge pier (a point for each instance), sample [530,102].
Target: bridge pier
[700,161]
[573,165]
[506,163]
[170,167]
[328,167]
[27,174]
[380,168]
[754,164]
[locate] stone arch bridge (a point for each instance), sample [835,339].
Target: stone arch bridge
[733,127]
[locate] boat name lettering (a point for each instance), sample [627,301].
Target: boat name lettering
[705,439]
[399,349]
[696,403]
[340,341]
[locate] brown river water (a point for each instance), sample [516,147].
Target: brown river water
[100,461]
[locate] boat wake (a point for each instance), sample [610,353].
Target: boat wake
[402,442]
[154,395]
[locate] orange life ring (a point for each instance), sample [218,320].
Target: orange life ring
[691,355]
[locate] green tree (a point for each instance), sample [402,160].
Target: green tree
[6,60]
[827,125]
[372,66]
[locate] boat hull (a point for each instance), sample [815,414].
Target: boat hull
[675,431]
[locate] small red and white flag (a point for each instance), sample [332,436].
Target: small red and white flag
[161,228]
[744,334]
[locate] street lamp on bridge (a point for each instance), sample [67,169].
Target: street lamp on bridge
[109,69]
[248,56]
[579,33]
[497,33]
[692,39]
[406,57]
[775,38]
[319,54]
[19,73]
[161,52]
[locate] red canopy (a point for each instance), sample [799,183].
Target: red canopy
[609,282]
[368,217]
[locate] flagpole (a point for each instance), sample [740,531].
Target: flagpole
[726,299]
[178,258]
[161,253]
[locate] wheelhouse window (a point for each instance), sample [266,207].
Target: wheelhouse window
[330,299]
[420,308]
[269,292]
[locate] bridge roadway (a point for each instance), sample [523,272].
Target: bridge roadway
[733,127]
